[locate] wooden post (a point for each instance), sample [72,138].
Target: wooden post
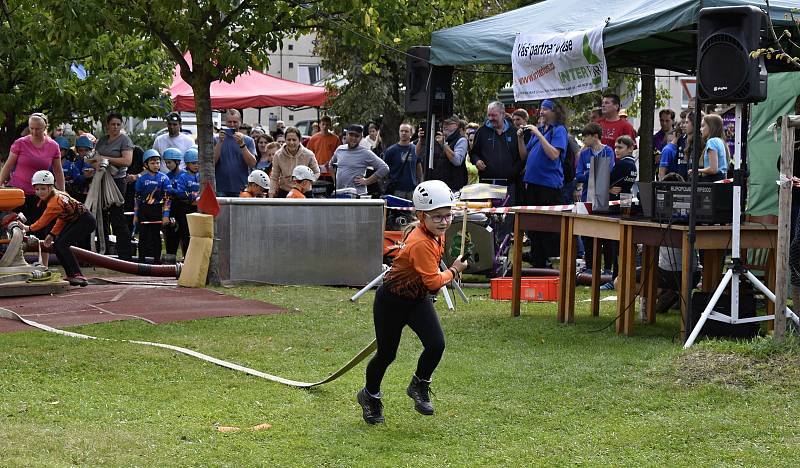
[784,217]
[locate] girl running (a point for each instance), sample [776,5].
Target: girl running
[404,299]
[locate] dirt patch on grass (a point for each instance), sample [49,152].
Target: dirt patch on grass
[736,370]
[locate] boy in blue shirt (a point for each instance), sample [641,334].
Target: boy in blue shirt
[172,160]
[671,159]
[184,198]
[592,135]
[152,205]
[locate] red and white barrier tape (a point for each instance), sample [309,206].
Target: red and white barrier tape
[508,209]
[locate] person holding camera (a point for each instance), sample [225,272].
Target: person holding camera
[234,156]
[405,169]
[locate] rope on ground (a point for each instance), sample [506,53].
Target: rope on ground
[10,314]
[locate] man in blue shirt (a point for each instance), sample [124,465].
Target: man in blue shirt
[405,169]
[234,156]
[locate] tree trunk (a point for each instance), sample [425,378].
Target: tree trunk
[9,132]
[392,117]
[201,85]
[646,162]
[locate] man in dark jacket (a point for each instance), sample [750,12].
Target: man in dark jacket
[495,151]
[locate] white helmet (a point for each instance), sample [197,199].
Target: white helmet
[303,173]
[44,178]
[260,178]
[432,194]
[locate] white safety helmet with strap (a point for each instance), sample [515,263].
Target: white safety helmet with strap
[432,194]
[303,173]
[259,178]
[43,178]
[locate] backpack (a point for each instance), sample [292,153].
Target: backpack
[568,161]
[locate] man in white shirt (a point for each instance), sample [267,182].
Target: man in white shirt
[174,138]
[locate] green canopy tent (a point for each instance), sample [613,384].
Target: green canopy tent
[660,34]
[636,33]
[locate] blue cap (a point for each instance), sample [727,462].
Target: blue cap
[173,154]
[547,104]
[63,143]
[84,142]
[149,154]
[191,155]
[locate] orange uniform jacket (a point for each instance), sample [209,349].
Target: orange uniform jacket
[61,207]
[415,271]
[295,194]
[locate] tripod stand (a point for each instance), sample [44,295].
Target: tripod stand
[737,269]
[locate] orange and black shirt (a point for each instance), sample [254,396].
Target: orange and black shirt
[415,271]
[61,207]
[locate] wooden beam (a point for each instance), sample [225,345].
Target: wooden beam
[784,218]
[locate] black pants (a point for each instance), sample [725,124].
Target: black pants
[543,244]
[179,234]
[74,233]
[609,250]
[391,314]
[149,234]
[119,225]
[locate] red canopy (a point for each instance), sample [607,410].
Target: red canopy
[251,89]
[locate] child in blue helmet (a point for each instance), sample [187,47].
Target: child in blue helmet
[67,158]
[172,159]
[82,171]
[184,199]
[152,205]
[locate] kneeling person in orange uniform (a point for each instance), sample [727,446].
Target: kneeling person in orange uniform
[257,185]
[302,180]
[73,223]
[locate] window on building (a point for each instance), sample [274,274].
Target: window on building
[308,74]
[688,88]
[291,117]
[291,65]
[290,46]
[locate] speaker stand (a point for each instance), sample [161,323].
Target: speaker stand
[737,269]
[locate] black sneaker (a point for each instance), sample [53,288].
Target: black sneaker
[418,391]
[372,407]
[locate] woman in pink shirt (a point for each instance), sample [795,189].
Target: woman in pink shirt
[35,152]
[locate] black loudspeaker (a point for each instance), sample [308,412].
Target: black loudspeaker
[713,328]
[427,85]
[725,38]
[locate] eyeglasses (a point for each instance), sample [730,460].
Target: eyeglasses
[441,218]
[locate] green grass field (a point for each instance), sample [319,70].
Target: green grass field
[509,392]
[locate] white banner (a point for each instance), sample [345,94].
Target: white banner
[556,65]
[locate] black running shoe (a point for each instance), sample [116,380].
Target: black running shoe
[372,407]
[418,390]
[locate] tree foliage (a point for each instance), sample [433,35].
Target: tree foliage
[224,38]
[368,42]
[37,48]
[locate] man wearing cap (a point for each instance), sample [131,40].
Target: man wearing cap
[495,151]
[174,138]
[351,160]
[449,152]
[613,125]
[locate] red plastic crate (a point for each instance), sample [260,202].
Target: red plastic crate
[533,288]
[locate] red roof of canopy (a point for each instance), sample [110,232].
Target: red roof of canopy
[251,89]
